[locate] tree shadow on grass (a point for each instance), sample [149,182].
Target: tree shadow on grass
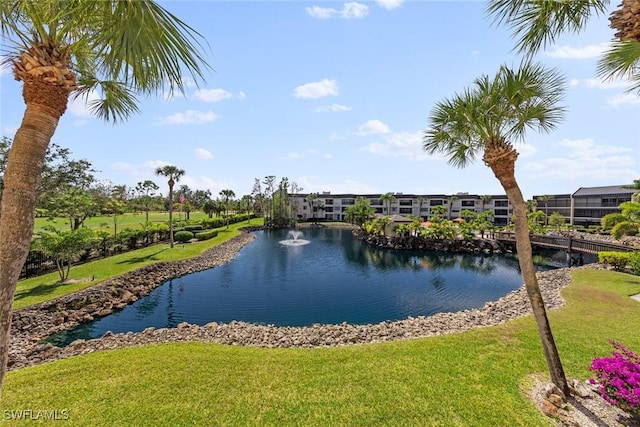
[141,259]
[43,289]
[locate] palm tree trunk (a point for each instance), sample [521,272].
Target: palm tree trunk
[505,172]
[171,214]
[21,179]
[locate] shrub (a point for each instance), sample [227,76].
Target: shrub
[206,235]
[194,227]
[619,378]
[183,236]
[634,263]
[618,260]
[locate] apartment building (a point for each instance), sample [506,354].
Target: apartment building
[587,205]
[584,207]
[331,207]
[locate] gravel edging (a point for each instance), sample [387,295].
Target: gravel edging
[33,324]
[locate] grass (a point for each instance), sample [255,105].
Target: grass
[127,220]
[43,288]
[475,378]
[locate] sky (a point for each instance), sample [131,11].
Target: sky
[335,96]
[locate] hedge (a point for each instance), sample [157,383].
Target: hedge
[206,235]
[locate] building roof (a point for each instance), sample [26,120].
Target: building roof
[603,191]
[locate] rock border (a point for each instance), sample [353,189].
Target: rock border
[31,325]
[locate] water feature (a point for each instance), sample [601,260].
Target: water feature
[331,279]
[294,239]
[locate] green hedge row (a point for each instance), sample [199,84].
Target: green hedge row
[206,235]
[621,260]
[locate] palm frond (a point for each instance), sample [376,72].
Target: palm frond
[622,61]
[536,24]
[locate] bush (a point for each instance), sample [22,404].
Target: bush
[194,227]
[634,263]
[183,236]
[212,222]
[619,378]
[206,235]
[618,260]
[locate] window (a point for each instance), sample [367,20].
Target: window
[328,202]
[435,203]
[501,203]
[468,203]
[406,210]
[328,209]
[501,212]
[348,201]
[406,202]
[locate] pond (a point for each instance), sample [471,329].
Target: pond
[324,276]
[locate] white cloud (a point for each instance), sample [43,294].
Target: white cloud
[354,10]
[623,98]
[599,84]
[79,105]
[348,186]
[203,154]
[569,52]
[189,117]
[205,183]
[389,4]
[321,12]
[336,137]
[605,162]
[349,10]
[525,150]
[332,108]
[241,95]
[307,154]
[403,144]
[372,127]
[315,90]
[141,169]
[211,95]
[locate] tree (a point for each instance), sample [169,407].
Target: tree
[624,223]
[556,220]
[536,24]
[421,200]
[483,120]
[64,246]
[227,195]
[635,197]
[114,48]
[174,174]
[360,212]
[544,199]
[76,205]
[485,198]
[388,198]
[146,189]
[312,200]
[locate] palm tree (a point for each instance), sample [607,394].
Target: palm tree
[174,174]
[536,24]
[485,198]
[545,199]
[311,200]
[58,49]
[421,200]
[227,195]
[635,197]
[483,120]
[388,198]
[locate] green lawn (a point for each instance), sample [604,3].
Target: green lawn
[42,288]
[128,220]
[475,378]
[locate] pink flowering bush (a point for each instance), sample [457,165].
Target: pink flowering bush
[619,378]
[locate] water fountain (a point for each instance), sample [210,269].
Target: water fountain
[294,239]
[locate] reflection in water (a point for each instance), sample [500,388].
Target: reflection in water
[333,279]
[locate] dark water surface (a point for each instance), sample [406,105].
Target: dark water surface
[332,279]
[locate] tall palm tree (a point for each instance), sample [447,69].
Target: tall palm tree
[58,49]
[536,24]
[228,195]
[388,198]
[174,174]
[421,200]
[545,199]
[485,119]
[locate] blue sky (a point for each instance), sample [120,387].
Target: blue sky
[335,96]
